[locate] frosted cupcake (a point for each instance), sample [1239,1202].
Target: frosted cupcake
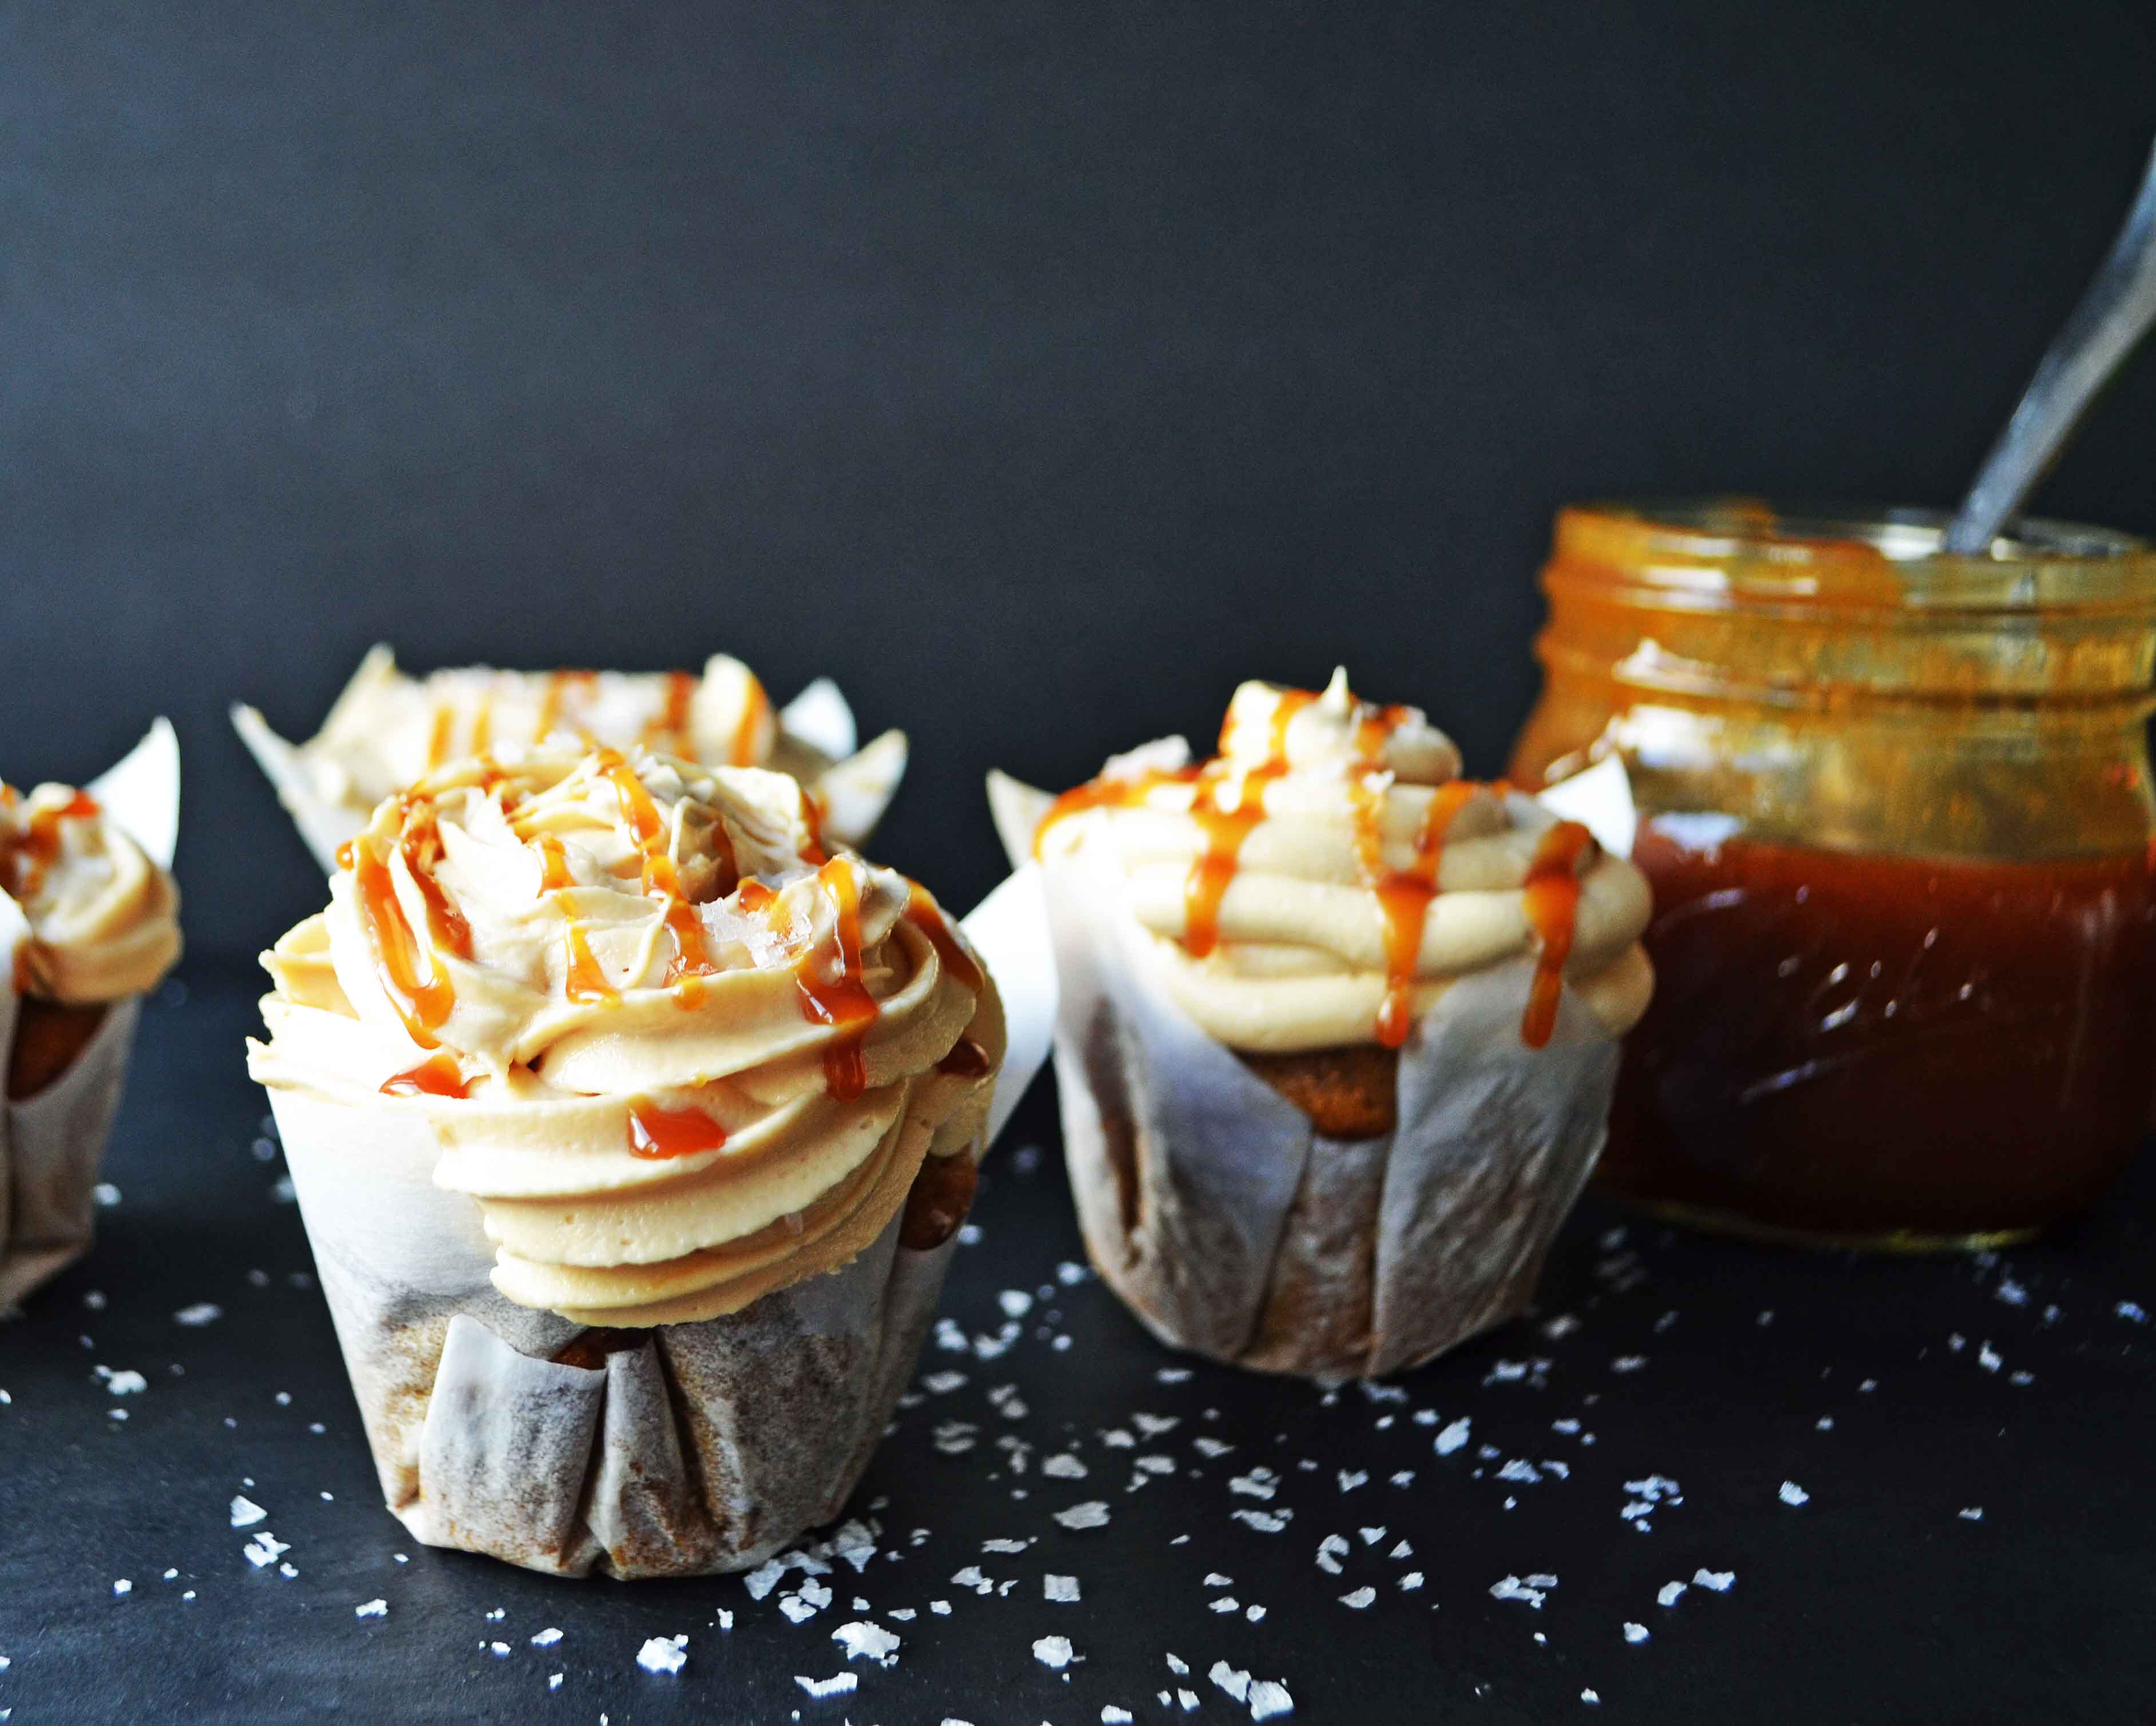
[88,923]
[1336,1030]
[631,1131]
[387,730]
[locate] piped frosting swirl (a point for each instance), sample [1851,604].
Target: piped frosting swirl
[679,1053]
[103,918]
[1327,876]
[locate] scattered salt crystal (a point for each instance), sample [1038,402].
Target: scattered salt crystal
[1628,1362]
[1016,1302]
[1330,1550]
[1186,1700]
[201,1312]
[1005,1546]
[1666,1595]
[2011,1292]
[1589,1698]
[1359,1598]
[837,1685]
[1971,1514]
[664,1654]
[941,1384]
[246,1512]
[500,1649]
[1055,1653]
[1265,1522]
[1988,1357]
[1091,1514]
[1210,1447]
[2020,1378]
[1269,1699]
[125,1383]
[1371,1537]
[1635,1632]
[1063,1466]
[1059,1588]
[1180,1668]
[1349,1481]
[1254,1613]
[122,1586]
[1513,1588]
[546,1638]
[1718,1580]
[2133,1311]
[1226,1603]
[942,1609]
[553,1680]
[1792,1494]
[1453,1438]
[262,1549]
[106,1193]
[1116,1439]
[1153,1426]
[970,1577]
[1213,1579]
[1236,1684]
[1411,1581]
[371,1609]
[1110,1715]
[864,1641]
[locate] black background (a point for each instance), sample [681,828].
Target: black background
[1037,371]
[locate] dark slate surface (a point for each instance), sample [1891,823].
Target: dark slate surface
[1891,1393]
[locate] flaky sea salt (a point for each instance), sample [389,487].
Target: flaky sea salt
[1091,1514]
[664,1654]
[1719,1580]
[122,1586]
[1359,1598]
[246,1512]
[1269,1699]
[1668,1593]
[837,1685]
[1453,1438]
[200,1314]
[864,1641]
[1533,1590]
[1971,1514]
[1792,1494]
[371,1609]
[1062,1589]
[1063,1466]
[1635,1632]
[546,1638]
[1055,1653]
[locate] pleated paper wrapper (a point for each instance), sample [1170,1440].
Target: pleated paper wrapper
[700,1448]
[52,1144]
[1231,1228]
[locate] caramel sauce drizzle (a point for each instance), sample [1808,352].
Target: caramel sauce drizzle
[1404,895]
[438,740]
[657,1133]
[423,1002]
[743,753]
[558,684]
[922,911]
[585,982]
[482,737]
[672,723]
[1551,903]
[25,863]
[842,1002]
[438,1076]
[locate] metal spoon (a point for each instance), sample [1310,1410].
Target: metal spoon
[2113,315]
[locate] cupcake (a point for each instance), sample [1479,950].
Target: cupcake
[88,923]
[387,730]
[632,1131]
[1336,1030]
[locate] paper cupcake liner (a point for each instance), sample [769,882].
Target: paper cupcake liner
[698,1448]
[52,1144]
[1231,1228]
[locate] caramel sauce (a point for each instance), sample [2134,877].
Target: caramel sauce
[438,1076]
[585,981]
[1552,905]
[1404,895]
[672,723]
[1117,793]
[1856,1045]
[662,880]
[24,865]
[423,1004]
[743,753]
[438,740]
[1223,831]
[842,1002]
[942,1193]
[553,865]
[922,911]
[558,684]
[657,1133]
[482,737]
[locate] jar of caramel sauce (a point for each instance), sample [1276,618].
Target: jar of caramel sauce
[1895,807]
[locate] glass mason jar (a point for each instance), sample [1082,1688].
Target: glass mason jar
[1895,807]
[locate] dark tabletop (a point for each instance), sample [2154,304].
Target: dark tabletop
[1965,1440]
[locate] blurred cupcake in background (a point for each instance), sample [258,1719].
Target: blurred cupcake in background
[631,1130]
[387,730]
[89,924]
[1336,1030]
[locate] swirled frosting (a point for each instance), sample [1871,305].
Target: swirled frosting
[679,1055]
[103,918]
[1326,877]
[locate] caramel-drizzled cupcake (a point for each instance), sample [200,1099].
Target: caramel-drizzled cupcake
[88,923]
[1338,1029]
[631,1128]
[388,729]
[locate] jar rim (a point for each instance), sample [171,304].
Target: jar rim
[1855,556]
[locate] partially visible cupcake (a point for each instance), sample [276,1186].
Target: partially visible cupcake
[631,1131]
[387,730]
[88,923]
[1337,1033]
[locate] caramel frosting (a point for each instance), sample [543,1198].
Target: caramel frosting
[679,1054]
[104,919]
[388,729]
[1327,877]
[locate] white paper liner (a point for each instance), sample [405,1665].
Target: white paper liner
[52,1144]
[855,788]
[704,1447]
[1231,1227]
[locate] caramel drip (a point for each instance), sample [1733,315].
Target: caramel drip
[24,865]
[1224,831]
[743,753]
[657,1133]
[482,737]
[423,1004]
[438,740]
[662,880]
[1551,903]
[1404,895]
[842,1002]
[1118,793]
[550,704]
[586,981]
[553,865]
[672,725]
[922,911]
[438,1076]
[811,817]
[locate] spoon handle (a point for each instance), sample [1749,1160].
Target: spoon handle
[2113,315]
